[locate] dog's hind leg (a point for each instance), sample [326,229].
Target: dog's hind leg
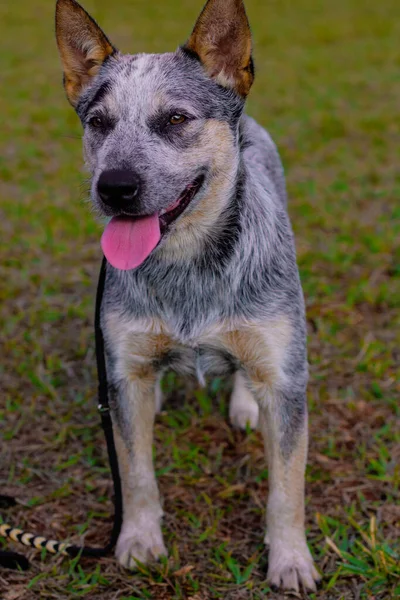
[243,407]
[133,418]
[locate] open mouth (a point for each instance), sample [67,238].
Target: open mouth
[128,241]
[176,209]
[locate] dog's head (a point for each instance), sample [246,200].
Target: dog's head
[160,131]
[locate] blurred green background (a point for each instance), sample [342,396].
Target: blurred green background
[328,90]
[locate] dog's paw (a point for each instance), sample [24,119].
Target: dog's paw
[241,419]
[291,566]
[136,543]
[243,408]
[243,415]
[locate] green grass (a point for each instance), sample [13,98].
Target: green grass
[328,89]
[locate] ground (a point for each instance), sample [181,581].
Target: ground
[328,89]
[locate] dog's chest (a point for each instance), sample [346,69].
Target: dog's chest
[151,341]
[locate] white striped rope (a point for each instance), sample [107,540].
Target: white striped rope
[33,541]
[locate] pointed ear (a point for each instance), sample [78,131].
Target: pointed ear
[82,45]
[222,40]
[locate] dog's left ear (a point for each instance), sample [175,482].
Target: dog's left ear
[83,47]
[222,40]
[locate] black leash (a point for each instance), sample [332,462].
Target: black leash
[14,560]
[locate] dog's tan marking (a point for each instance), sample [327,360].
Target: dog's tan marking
[222,40]
[137,345]
[82,45]
[216,147]
[260,347]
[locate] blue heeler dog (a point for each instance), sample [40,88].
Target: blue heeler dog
[201,273]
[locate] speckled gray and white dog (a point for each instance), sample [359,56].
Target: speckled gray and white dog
[201,274]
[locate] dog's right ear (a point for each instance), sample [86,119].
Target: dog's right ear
[82,45]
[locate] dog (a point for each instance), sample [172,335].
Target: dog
[201,265]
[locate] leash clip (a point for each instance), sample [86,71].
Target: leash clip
[103,409]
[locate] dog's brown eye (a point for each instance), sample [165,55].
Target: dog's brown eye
[177,119]
[96,122]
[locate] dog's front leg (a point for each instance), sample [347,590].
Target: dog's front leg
[273,358]
[283,422]
[134,406]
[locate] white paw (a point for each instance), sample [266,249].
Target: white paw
[291,566]
[242,415]
[243,408]
[137,543]
[243,419]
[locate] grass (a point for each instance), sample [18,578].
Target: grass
[328,90]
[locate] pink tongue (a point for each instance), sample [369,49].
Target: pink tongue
[128,241]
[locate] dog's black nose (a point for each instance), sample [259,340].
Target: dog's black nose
[118,188]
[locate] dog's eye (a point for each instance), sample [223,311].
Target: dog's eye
[177,119]
[96,122]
